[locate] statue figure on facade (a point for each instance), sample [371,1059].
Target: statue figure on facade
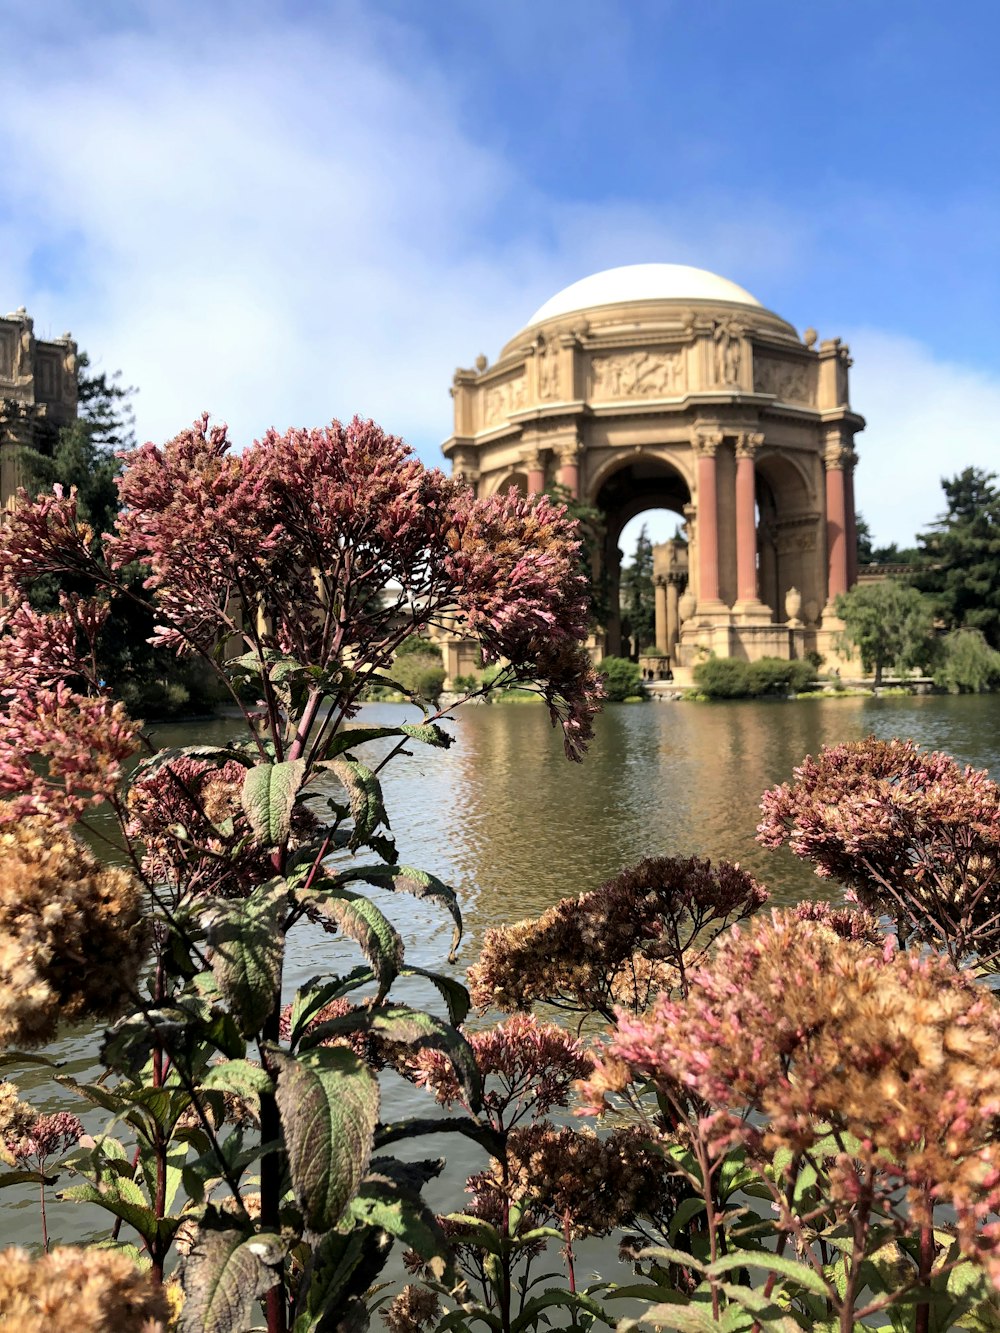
[726,337]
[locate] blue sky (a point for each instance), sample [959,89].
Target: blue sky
[285,212]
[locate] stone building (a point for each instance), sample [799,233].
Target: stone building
[37,393]
[664,386]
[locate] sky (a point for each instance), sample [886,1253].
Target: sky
[284,212]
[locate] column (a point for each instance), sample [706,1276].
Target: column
[836,520]
[851,523]
[536,472]
[569,469]
[662,616]
[706,445]
[747,445]
[673,616]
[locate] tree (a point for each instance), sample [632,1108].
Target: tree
[890,623]
[962,555]
[590,534]
[638,598]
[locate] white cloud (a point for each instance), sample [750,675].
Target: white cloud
[927,418]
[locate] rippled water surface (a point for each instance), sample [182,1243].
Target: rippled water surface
[505,818]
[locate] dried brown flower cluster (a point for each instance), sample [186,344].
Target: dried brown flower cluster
[78,1291]
[806,1030]
[911,834]
[72,935]
[636,935]
[572,1178]
[411,1310]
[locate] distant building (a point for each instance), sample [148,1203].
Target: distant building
[664,386]
[37,393]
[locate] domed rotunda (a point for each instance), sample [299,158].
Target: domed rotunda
[660,386]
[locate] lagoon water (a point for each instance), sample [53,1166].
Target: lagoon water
[506,819]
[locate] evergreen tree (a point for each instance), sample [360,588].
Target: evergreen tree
[962,555]
[638,598]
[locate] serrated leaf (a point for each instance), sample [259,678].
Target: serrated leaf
[220,754]
[357,917]
[122,1197]
[247,944]
[428,733]
[389,1197]
[269,793]
[339,1271]
[365,795]
[419,883]
[558,1296]
[486,1136]
[24,1178]
[328,1101]
[454,994]
[239,1077]
[223,1276]
[801,1274]
[413,1028]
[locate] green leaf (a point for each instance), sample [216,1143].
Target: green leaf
[683,1318]
[219,754]
[223,1276]
[269,792]
[24,1178]
[802,1274]
[389,1197]
[328,1100]
[558,1296]
[419,1126]
[407,879]
[428,733]
[340,1269]
[247,943]
[686,1210]
[349,737]
[122,1197]
[239,1077]
[454,994]
[409,1027]
[359,919]
[364,794]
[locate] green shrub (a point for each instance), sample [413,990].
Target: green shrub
[969,665]
[729,678]
[622,679]
[420,673]
[415,645]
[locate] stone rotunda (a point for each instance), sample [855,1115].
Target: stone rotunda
[668,387]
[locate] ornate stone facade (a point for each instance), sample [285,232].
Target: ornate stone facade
[37,393]
[659,386]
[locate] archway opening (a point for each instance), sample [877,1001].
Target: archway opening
[647,490]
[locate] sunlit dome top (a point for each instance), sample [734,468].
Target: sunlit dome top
[642,282]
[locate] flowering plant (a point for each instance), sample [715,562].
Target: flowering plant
[243,1123]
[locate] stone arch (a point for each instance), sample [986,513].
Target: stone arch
[640,480]
[503,483]
[789,554]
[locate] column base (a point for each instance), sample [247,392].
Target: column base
[712,612]
[752,612]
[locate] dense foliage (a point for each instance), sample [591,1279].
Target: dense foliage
[730,678]
[638,603]
[961,555]
[890,624]
[622,679]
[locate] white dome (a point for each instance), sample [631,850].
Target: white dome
[642,282]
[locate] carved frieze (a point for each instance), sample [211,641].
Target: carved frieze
[796,534]
[639,374]
[548,368]
[502,399]
[789,381]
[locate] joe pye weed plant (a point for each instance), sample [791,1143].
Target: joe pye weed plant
[792,1117]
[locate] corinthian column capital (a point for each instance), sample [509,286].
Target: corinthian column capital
[706,442]
[748,443]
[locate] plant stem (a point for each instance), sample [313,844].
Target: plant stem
[45,1227]
[923,1310]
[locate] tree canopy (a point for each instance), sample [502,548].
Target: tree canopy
[890,623]
[961,552]
[637,596]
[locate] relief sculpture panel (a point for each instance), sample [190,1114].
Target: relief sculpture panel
[8,342]
[640,374]
[789,381]
[502,399]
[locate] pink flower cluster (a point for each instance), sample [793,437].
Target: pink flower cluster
[794,1032]
[38,650]
[84,744]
